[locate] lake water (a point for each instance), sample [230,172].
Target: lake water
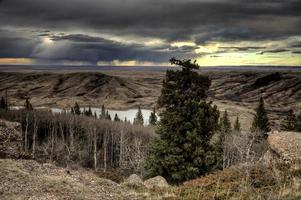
[130,114]
[122,114]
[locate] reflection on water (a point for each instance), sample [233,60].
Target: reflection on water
[122,114]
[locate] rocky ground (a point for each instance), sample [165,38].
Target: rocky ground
[27,179]
[10,139]
[276,176]
[24,178]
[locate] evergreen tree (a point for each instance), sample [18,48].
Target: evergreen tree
[298,123]
[127,121]
[116,118]
[89,112]
[72,111]
[289,122]
[108,116]
[3,104]
[260,120]
[139,117]
[225,129]
[237,127]
[153,117]
[28,105]
[76,109]
[103,113]
[187,123]
[225,124]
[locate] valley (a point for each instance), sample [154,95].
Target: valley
[237,92]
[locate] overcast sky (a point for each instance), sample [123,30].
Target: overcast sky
[150,32]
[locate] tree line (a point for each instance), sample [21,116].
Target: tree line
[138,120]
[68,139]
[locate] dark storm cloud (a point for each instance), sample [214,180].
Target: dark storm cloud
[297,44]
[184,48]
[296,52]
[274,51]
[15,46]
[90,48]
[78,47]
[79,38]
[244,48]
[169,19]
[202,21]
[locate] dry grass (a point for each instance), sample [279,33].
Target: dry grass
[240,183]
[29,180]
[25,179]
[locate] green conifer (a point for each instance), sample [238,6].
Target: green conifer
[108,116]
[153,118]
[116,118]
[298,123]
[76,109]
[237,126]
[28,105]
[139,117]
[3,103]
[103,113]
[225,124]
[260,120]
[187,123]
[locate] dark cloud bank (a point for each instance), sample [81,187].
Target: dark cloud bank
[76,27]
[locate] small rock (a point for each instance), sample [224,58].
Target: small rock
[133,181]
[156,182]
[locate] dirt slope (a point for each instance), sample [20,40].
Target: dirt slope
[27,179]
[62,90]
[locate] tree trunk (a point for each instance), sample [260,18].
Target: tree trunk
[105,152]
[121,148]
[35,129]
[26,135]
[95,149]
[52,143]
[71,131]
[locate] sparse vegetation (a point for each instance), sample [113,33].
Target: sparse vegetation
[239,183]
[291,122]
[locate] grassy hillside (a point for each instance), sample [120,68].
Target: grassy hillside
[238,92]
